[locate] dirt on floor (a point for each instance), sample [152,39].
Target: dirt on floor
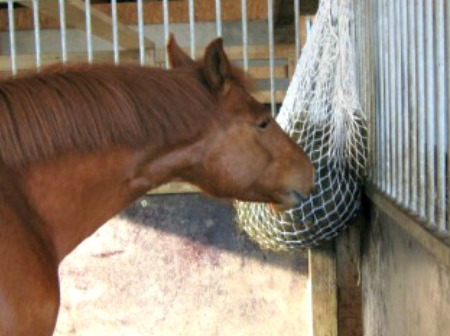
[175,265]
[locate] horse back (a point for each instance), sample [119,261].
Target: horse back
[29,293]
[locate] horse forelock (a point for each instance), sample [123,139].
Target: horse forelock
[87,108]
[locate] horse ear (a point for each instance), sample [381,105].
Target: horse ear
[217,67]
[177,57]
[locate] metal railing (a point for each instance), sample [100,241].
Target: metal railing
[403,50]
[118,35]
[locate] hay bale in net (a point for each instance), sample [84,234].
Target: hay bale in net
[321,112]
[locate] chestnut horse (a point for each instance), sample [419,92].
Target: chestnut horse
[80,143]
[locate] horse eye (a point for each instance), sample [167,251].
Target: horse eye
[264,123]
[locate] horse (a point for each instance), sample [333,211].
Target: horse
[78,143]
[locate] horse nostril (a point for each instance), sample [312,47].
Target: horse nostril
[301,197]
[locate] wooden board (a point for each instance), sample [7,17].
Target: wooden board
[348,279]
[322,274]
[175,188]
[101,22]
[153,14]
[28,62]
[438,248]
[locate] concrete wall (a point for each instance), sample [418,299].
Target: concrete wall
[175,265]
[406,290]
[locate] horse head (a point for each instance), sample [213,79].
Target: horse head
[245,155]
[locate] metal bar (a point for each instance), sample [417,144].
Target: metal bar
[447,103]
[37,34]
[192,26]
[88,19]
[399,102]
[421,108]
[377,140]
[140,14]
[392,173]
[441,116]
[395,157]
[271,54]
[115,30]
[384,125]
[219,17]
[406,158]
[431,111]
[244,34]
[297,27]
[166,28]
[63,31]
[12,37]
[372,84]
[412,103]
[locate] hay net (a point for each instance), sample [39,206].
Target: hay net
[321,112]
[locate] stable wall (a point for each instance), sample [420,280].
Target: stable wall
[406,287]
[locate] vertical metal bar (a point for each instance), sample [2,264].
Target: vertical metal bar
[140,14]
[372,82]
[421,108]
[271,55]
[384,125]
[395,157]
[412,103]
[192,26]
[219,17]
[88,19]
[166,28]
[37,34]
[447,103]
[441,115]
[378,93]
[12,37]
[63,31]
[399,102]
[391,140]
[431,110]
[377,140]
[244,34]
[115,29]
[297,27]
[406,158]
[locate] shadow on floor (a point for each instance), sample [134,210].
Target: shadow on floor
[206,221]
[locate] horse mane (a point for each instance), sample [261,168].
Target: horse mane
[85,108]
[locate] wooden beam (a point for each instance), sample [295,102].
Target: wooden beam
[322,274]
[127,13]
[438,248]
[263,72]
[234,53]
[28,62]
[101,22]
[348,251]
[175,188]
[265,96]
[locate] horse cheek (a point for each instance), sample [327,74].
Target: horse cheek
[234,165]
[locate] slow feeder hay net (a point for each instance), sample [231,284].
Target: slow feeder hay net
[321,112]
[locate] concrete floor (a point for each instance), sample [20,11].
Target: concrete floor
[175,265]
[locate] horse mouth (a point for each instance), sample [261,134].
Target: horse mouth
[288,200]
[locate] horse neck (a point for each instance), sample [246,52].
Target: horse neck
[76,194]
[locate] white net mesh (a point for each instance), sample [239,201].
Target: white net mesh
[321,112]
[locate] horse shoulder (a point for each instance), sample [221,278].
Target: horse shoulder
[29,290]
